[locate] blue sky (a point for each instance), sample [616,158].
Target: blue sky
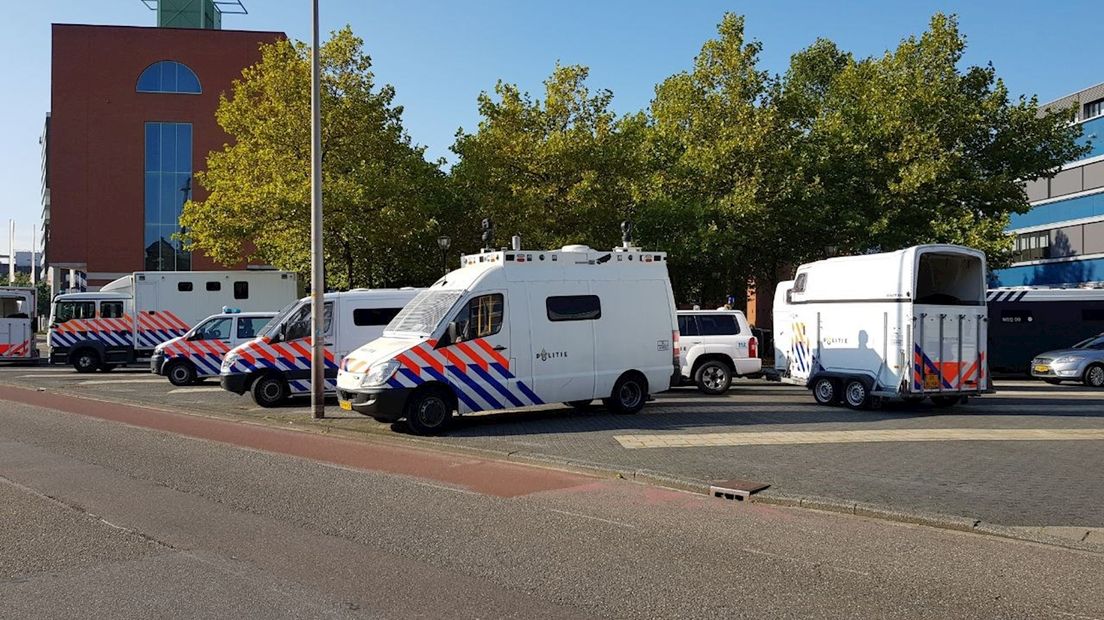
[439,54]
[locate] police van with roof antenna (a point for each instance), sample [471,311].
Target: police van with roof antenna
[514,328]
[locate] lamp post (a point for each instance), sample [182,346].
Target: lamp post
[318,355]
[444,242]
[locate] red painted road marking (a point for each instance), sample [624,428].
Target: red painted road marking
[482,476]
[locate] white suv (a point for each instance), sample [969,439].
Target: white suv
[715,346]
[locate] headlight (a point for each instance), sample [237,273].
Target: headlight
[379,374]
[229,361]
[1067,359]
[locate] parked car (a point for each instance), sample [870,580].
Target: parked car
[198,353]
[1082,362]
[714,347]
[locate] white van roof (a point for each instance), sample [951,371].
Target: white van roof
[886,276]
[572,262]
[406,293]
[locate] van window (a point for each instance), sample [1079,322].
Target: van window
[481,317]
[1016,316]
[74,310]
[363,317]
[241,290]
[687,325]
[184,287]
[111,309]
[215,329]
[718,325]
[214,286]
[573,308]
[249,326]
[299,323]
[799,283]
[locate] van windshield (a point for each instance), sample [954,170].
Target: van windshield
[424,313]
[274,323]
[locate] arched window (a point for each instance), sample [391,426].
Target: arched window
[168,76]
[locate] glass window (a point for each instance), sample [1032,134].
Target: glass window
[111,309]
[74,310]
[363,317]
[718,325]
[1096,342]
[573,308]
[1094,108]
[215,329]
[422,315]
[168,76]
[799,284]
[184,287]
[214,286]
[480,317]
[241,290]
[168,185]
[299,323]
[687,325]
[250,326]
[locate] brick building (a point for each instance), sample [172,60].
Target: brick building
[132,119]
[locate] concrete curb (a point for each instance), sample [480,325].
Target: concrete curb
[1089,542]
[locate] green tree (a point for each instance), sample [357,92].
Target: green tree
[555,170]
[383,201]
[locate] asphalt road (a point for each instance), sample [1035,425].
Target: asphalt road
[106,519]
[1026,476]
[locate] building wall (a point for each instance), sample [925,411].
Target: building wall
[97,132]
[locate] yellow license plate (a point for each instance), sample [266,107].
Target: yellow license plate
[931,382]
[1043,368]
[345,404]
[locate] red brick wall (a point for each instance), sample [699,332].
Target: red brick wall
[97,130]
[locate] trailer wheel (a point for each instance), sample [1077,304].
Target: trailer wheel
[86,360]
[629,394]
[429,412]
[181,373]
[713,377]
[269,391]
[825,391]
[1094,376]
[855,394]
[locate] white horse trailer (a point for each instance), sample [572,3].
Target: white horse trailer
[905,325]
[18,318]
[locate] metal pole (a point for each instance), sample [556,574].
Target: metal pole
[34,263]
[11,251]
[318,354]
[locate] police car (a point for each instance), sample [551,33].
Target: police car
[198,353]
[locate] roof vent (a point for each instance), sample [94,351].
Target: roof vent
[576,248]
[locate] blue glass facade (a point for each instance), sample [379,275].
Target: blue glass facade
[1059,211]
[168,76]
[1050,274]
[168,172]
[1093,135]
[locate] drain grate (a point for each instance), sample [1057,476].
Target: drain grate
[736,489]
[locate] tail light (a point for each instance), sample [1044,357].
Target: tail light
[753,347]
[675,347]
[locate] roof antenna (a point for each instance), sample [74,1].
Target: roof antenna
[626,234]
[488,235]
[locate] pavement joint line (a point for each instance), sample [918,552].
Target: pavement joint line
[641,476]
[759,438]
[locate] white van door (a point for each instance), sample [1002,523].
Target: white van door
[563,317]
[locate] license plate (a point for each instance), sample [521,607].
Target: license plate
[1042,368]
[345,404]
[931,382]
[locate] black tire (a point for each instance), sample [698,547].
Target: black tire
[269,391]
[1094,376]
[429,412]
[945,401]
[181,373]
[629,394]
[86,360]
[1053,381]
[581,405]
[856,395]
[826,391]
[713,377]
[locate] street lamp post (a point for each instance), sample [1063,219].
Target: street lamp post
[318,356]
[444,242]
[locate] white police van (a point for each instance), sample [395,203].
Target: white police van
[514,328]
[198,353]
[276,364]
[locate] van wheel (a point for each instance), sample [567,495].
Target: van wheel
[945,401]
[825,391]
[86,360]
[713,377]
[181,373]
[1094,376]
[855,394]
[629,394]
[429,412]
[269,391]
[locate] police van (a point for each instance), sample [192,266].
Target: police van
[198,353]
[276,364]
[514,328]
